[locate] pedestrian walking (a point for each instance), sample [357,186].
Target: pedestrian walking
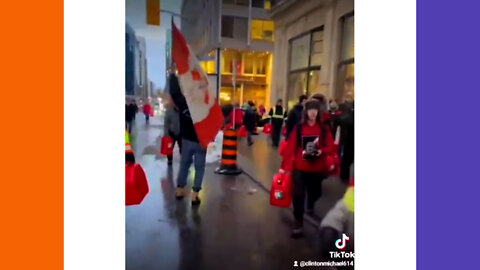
[172,127]
[129,116]
[239,114]
[135,109]
[277,117]
[147,110]
[249,121]
[347,137]
[305,156]
[262,110]
[192,151]
[295,114]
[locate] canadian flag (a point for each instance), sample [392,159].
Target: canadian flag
[206,113]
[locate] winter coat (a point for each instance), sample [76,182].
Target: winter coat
[294,117]
[172,122]
[293,153]
[250,119]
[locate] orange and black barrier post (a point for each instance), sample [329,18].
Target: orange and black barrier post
[229,154]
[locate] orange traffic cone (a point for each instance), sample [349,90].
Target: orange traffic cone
[229,154]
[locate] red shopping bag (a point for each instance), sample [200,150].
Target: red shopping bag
[267,129]
[282,147]
[166,146]
[333,163]
[284,131]
[242,132]
[281,191]
[136,184]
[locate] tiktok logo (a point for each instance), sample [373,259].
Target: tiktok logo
[342,242]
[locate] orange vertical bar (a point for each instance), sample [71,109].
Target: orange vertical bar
[153,12]
[31,195]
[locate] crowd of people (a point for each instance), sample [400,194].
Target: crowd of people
[311,127]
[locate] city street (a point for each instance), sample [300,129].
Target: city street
[234,227]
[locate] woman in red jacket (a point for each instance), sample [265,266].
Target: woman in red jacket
[305,156]
[147,110]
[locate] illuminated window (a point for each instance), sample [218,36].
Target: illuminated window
[248,64]
[262,30]
[227,61]
[267,5]
[208,66]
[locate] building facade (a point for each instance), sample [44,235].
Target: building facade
[130,48]
[314,48]
[141,74]
[234,41]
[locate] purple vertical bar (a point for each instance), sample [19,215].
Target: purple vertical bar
[448,134]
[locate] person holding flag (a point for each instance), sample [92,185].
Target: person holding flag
[201,116]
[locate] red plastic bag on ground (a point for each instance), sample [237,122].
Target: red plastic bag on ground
[166,146]
[267,129]
[136,184]
[281,191]
[242,132]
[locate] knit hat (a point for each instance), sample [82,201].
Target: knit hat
[312,104]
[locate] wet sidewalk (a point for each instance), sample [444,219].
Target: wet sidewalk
[234,227]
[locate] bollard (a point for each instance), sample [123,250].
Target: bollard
[229,154]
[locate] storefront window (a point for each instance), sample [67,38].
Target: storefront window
[208,66]
[346,75]
[305,64]
[317,48]
[314,81]
[227,61]
[348,39]
[300,52]
[248,64]
[261,64]
[227,96]
[297,85]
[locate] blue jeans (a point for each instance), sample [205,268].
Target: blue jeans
[192,152]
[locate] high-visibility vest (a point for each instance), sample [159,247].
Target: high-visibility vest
[128,147]
[349,198]
[127,137]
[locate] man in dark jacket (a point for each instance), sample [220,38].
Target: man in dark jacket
[134,108]
[250,121]
[347,138]
[192,151]
[277,117]
[295,115]
[129,116]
